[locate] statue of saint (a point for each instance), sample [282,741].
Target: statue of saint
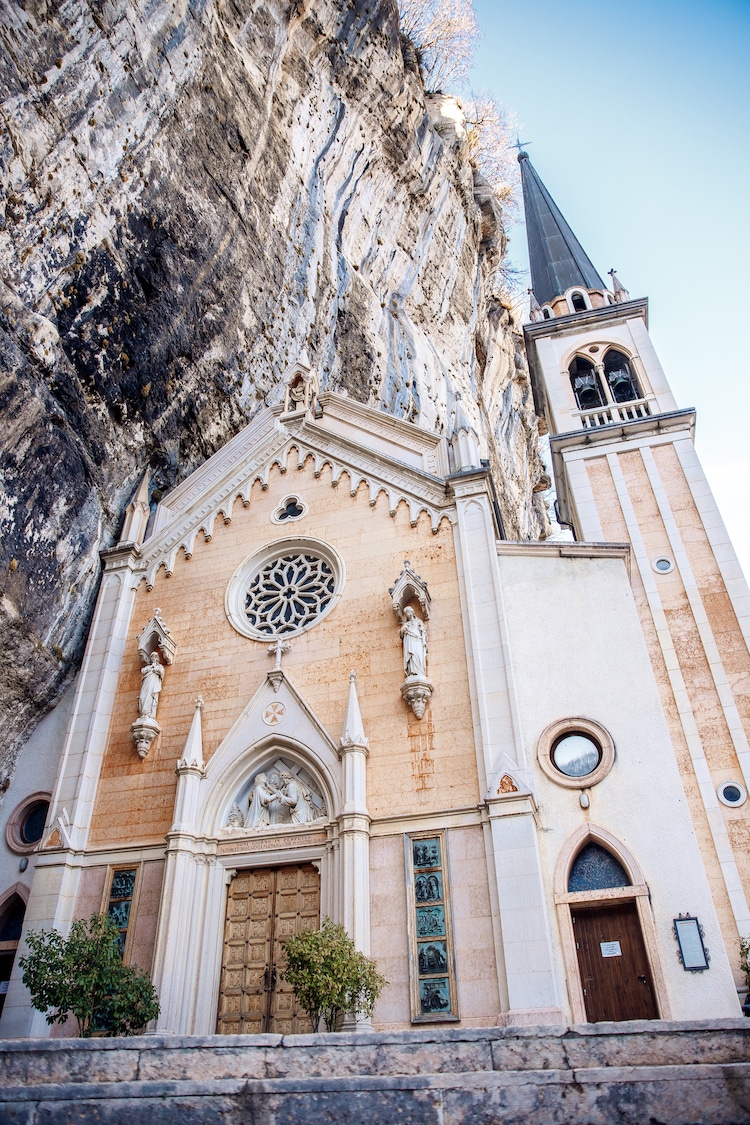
[414,636]
[152,677]
[261,798]
[298,799]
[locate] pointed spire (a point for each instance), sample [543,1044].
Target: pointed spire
[619,290]
[354,731]
[535,309]
[136,515]
[557,260]
[192,755]
[461,422]
[463,439]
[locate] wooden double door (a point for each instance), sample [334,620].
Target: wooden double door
[615,973]
[264,906]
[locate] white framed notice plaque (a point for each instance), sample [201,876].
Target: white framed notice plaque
[689,934]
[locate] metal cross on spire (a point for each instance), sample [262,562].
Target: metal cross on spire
[520,144]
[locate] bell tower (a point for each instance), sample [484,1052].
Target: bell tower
[626,470]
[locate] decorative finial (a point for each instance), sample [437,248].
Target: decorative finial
[535,311]
[199,703]
[619,290]
[352,677]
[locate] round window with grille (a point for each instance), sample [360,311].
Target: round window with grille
[288,587]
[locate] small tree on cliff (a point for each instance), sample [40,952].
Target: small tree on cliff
[329,976]
[83,974]
[443,34]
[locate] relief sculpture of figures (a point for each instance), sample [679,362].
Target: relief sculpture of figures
[281,798]
[298,799]
[152,677]
[261,799]
[414,636]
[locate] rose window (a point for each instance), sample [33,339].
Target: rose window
[285,588]
[289,593]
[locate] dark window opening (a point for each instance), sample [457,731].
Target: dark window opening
[586,385]
[620,377]
[595,869]
[578,302]
[11,924]
[33,823]
[546,314]
[291,509]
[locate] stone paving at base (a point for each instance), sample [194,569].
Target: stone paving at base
[636,1073]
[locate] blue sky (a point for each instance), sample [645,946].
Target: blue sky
[638,117]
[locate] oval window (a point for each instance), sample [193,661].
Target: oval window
[33,822]
[731,793]
[576,754]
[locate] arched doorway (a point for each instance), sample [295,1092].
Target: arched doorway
[607,931]
[12,911]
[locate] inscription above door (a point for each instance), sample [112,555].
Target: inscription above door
[264,906]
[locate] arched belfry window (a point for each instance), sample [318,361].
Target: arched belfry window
[620,377]
[586,385]
[595,869]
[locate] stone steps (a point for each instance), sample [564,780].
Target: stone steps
[633,1073]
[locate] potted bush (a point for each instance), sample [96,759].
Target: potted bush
[329,976]
[83,974]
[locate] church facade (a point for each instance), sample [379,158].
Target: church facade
[320,683]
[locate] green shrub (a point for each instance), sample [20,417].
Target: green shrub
[329,976]
[83,974]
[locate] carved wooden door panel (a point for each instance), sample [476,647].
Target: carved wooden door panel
[615,972]
[263,907]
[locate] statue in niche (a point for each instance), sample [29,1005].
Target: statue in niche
[414,636]
[152,678]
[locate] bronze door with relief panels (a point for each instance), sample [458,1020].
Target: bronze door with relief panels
[264,906]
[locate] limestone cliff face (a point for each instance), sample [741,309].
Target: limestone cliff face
[194,192]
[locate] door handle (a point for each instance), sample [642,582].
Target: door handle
[273,978]
[642,979]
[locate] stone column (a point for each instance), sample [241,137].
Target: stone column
[179,918]
[523,940]
[54,892]
[354,837]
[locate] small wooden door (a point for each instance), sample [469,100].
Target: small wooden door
[615,973]
[263,907]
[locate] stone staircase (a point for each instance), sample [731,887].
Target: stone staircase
[636,1073]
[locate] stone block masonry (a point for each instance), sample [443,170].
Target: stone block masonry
[593,1074]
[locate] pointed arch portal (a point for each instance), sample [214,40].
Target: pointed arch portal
[607,931]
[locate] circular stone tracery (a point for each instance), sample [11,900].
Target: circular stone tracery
[284,589]
[289,593]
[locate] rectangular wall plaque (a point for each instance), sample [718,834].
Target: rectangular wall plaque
[432,970]
[610,948]
[693,952]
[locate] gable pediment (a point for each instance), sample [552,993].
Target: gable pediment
[349,439]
